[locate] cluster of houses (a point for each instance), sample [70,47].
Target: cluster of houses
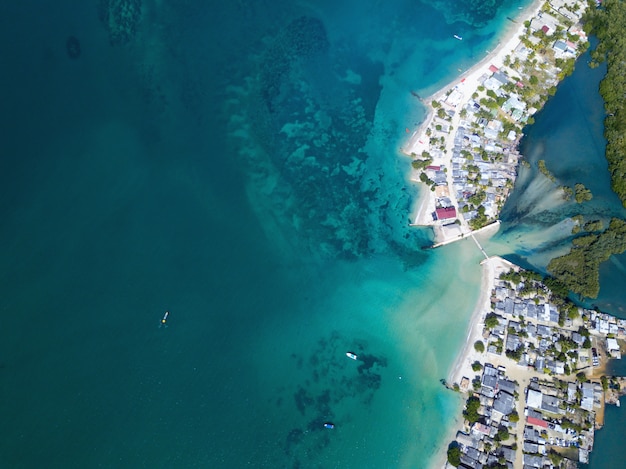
[473,142]
[550,411]
[538,335]
[481,442]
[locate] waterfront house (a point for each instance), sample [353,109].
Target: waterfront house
[480,429]
[465,440]
[613,348]
[470,463]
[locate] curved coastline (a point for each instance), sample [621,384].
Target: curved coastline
[425,208]
[465,84]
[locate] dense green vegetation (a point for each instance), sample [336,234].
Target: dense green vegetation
[471,409]
[582,193]
[545,171]
[421,164]
[567,192]
[491,321]
[579,270]
[595,225]
[480,220]
[608,24]
[454,455]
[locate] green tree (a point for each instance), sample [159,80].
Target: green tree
[479,346]
[471,409]
[503,434]
[605,382]
[491,321]
[454,455]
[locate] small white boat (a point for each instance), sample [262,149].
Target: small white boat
[329,425]
[458,37]
[351,355]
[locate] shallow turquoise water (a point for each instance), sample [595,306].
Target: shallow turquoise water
[245,177]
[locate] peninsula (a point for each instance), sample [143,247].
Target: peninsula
[534,373]
[533,365]
[465,150]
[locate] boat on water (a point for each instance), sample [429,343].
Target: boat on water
[456,36]
[329,425]
[351,355]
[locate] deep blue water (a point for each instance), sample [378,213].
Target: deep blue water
[236,165]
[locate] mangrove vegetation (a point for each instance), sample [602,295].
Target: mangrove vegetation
[608,23]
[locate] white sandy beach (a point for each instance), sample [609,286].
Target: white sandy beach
[467,83]
[468,80]
[462,367]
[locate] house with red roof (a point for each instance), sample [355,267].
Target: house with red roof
[447,213]
[537,422]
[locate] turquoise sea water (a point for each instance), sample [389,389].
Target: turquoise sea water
[236,165]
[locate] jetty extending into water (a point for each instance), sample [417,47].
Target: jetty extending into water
[532,367]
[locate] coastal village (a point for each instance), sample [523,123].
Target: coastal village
[534,377]
[466,148]
[533,368]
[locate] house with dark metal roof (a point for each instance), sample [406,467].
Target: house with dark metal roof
[533,460]
[507,385]
[504,403]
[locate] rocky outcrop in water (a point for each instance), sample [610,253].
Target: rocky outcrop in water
[121,19]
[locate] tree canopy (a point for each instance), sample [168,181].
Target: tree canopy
[608,24]
[579,270]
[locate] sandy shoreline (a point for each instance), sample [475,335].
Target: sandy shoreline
[469,78]
[462,367]
[467,82]
[492,268]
